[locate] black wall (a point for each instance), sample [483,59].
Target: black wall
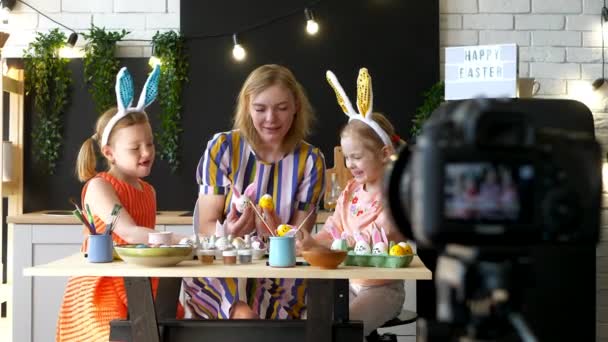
[398,41]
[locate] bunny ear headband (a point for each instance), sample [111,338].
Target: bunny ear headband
[365,99]
[125,95]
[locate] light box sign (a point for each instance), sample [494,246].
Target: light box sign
[480,71]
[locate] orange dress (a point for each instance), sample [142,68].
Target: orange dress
[90,303]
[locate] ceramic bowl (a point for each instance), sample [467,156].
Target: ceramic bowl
[154,256]
[324,258]
[160,238]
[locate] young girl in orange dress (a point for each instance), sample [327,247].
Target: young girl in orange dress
[368,140]
[125,139]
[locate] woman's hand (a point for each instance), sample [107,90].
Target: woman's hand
[240,225]
[272,220]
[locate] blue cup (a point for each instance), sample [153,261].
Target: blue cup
[100,248]
[282,251]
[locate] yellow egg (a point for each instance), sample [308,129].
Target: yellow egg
[266,202]
[283,229]
[407,249]
[397,250]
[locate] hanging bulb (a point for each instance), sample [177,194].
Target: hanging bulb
[5,10]
[72,39]
[597,84]
[154,60]
[238,52]
[311,25]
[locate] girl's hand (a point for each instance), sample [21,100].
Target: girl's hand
[366,219]
[305,241]
[240,225]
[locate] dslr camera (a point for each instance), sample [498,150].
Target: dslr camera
[489,184]
[481,174]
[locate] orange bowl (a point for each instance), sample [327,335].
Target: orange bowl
[324,258]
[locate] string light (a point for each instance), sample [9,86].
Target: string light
[311,25]
[238,52]
[5,10]
[154,60]
[598,83]
[72,39]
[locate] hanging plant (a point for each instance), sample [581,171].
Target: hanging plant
[432,99]
[169,48]
[48,79]
[101,66]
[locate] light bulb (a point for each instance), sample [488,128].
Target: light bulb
[238,52]
[154,61]
[312,27]
[5,13]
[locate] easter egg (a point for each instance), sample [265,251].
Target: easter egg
[397,250]
[283,229]
[266,202]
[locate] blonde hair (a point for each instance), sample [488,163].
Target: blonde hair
[261,79]
[86,161]
[368,136]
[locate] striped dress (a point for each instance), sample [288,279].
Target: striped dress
[90,303]
[296,182]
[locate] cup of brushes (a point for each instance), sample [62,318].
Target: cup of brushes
[282,251]
[100,247]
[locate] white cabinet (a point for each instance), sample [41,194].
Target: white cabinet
[37,299]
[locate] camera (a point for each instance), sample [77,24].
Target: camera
[481,173]
[492,186]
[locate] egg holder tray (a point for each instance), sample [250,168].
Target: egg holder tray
[378,260]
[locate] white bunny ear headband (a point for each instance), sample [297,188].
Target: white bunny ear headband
[365,100]
[125,94]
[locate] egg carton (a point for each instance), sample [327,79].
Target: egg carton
[378,260]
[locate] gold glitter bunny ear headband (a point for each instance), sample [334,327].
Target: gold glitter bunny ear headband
[365,99]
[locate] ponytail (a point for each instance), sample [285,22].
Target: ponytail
[86,161]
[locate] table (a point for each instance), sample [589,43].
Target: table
[145,314]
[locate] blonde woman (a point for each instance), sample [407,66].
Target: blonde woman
[265,148]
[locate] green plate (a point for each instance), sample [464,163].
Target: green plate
[154,256]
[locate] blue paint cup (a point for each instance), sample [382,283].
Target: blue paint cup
[100,248]
[282,251]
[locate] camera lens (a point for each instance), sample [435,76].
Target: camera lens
[398,192]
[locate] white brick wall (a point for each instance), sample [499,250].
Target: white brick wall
[142,17]
[559,44]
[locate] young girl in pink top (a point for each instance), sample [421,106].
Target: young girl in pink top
[368,141]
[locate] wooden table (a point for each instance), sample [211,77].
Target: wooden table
[144,316]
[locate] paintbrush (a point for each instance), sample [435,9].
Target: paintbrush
[114,216]
[261,218]
[304,221]
[79,216]
[89,215]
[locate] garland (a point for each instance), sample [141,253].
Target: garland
[49,79]
[432,99]
[169,48]
[101,66]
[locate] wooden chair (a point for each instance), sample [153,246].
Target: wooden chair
[343,175]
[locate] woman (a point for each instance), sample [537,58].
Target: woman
[266,148]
